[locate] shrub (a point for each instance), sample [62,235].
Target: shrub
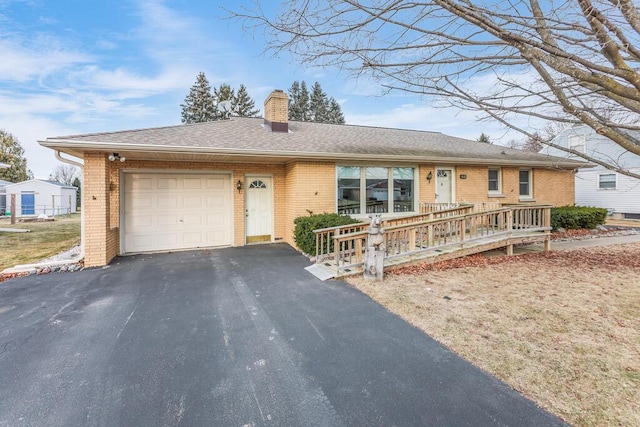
[573,217]
[304,226]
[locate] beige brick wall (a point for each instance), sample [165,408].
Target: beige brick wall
[101,238]
[310,186]
[550,186]
[427,189]
[299,187]
[102,199]
[554,187]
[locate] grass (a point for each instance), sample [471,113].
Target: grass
[44,240]
[562,327]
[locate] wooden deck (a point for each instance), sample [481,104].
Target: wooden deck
[434,240]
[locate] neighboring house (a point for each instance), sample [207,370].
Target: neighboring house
[3,194]
[598,186]
[245,180]
[38,196]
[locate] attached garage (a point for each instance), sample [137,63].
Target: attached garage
[172,211]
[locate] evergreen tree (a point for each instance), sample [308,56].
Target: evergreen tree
[12,153]
[484,138]
[318,104]
[244,104]
[314,107]
[335,115]
[224,93]
[299,102]
[199,105]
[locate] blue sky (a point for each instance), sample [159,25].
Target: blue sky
[77,66]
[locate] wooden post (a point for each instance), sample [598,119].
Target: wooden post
[509,228]
[336,253]
[547,217]
[13,208]
[358,250]
[412,240]
[430,235]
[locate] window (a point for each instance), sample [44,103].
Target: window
[375,189]
[607,181]
[577,142]
[402,189]
[525,183]
[494,181]
[348,190]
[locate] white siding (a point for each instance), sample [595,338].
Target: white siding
[625,198]
[596,146]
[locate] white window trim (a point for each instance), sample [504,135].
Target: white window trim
[615,175]
[526,197]
[363,194]
[498,192]
[577,137]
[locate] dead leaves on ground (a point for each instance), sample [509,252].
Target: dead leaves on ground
[620,256]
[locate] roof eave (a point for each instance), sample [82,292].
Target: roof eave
[289,155]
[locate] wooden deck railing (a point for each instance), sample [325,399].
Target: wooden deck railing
[411,239]
[325,236]
[426,207]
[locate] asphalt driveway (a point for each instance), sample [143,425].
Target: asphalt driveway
[230,337]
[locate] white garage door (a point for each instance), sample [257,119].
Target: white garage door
[176,211]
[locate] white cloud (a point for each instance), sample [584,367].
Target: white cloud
[38,58]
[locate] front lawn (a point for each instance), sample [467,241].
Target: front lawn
[44,240]
[561,327]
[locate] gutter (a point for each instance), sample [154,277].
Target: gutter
[28,267]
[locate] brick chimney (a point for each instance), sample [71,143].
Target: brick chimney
[276,111]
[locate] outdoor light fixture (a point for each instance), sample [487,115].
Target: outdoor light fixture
[239,186]
[115,156]
[429,176]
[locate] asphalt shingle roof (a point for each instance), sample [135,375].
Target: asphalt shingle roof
[241,135]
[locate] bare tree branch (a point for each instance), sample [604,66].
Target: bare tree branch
[576,61]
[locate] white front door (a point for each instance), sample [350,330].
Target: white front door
[259,209]
[444,188]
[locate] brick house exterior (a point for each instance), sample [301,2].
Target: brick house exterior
[259,175]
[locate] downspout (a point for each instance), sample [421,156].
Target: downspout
[27,267]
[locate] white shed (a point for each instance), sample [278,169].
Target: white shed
[3,194]
[38,196]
